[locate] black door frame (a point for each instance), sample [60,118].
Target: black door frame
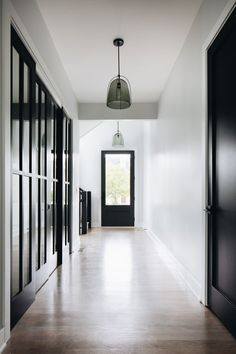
[214,297]
[131,207]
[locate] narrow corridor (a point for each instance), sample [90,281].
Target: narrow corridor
[116,295]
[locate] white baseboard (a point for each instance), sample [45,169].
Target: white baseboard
[2,340]
[175,264]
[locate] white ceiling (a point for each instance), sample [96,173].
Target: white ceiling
[153,30]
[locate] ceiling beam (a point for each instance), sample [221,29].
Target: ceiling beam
[99,111]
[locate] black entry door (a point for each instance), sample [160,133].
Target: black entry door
[117,188]
[22,199]
[222,174]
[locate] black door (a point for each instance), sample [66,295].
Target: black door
[23,196]
[67,176]
[64,190]
[46,183]
[222,174]
[117,188]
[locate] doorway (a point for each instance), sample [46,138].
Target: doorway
[221,209]
[117,188]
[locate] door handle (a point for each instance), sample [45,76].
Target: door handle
[208,209]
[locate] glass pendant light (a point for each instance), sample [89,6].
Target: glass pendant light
[118,140]
[118,95]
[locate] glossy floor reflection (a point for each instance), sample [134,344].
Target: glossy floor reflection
[117,296]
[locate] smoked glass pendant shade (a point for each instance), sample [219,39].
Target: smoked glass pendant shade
[119,93]
[118,96]
[118,140]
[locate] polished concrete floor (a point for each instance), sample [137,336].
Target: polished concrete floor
[117,296]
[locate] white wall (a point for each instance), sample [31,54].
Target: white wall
[174,153]
[99,139]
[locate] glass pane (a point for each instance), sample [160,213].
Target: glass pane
[52,138]
[43,223]
[65,148]
[15,111]
[55,143]
[54,217]
[50,220]
[67,151]
[26,230]
[26,120]
[117,176]
[66,167]
[64,220]
[15,259]
[37,229]
[37,128]
[43,135]
[66,213]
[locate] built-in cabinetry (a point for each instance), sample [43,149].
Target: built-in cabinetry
[41,197]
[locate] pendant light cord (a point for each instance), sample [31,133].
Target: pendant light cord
[119,84]
[118,61]
[118,127]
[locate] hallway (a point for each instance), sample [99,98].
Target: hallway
[116,295]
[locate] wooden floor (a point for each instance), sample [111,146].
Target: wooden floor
[117,296]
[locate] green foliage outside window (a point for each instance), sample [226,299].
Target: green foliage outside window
[117,186]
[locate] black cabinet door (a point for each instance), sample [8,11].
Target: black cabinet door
[222,174]
[117,188]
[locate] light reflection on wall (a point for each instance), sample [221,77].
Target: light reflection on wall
[117,268]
